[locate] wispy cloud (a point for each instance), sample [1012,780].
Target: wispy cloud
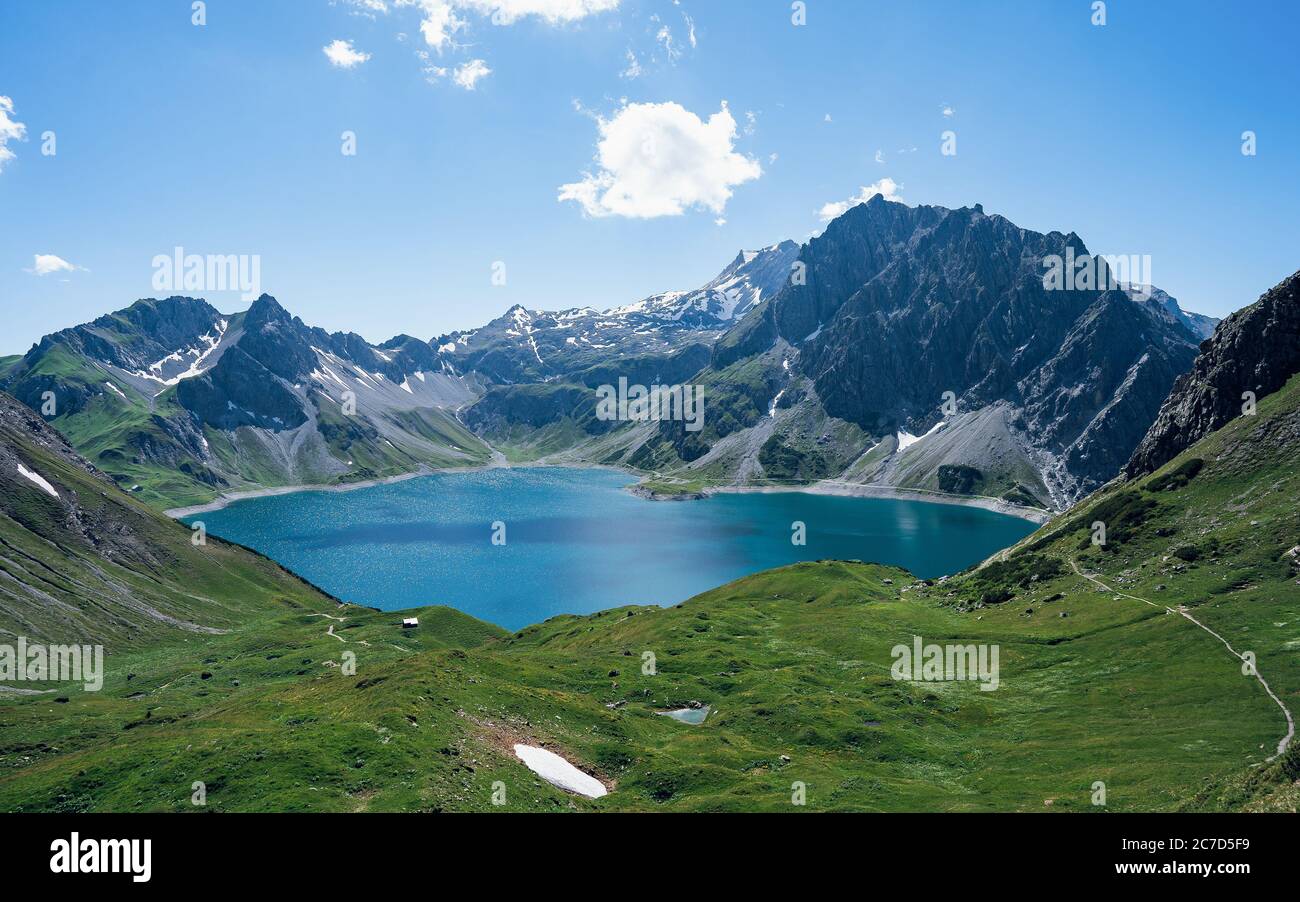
[661,45]
[366,8]
[431,72]
[633,69]
[664,38]
[441,19]
[10,130]
[553,12]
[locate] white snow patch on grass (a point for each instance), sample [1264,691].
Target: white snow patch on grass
[558,772]
[38,479]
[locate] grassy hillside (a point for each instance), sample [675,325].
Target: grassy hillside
[95,565]
[1103,678]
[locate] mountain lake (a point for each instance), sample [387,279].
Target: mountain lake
[576,542]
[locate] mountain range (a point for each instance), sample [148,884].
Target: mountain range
[911,348]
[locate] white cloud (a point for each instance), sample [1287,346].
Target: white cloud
[948,112]
[9,130]
[880,156]
[553,12]
[468,74]
[660,159]
[886,188]
[367,8]
[343,55]
[441,19]
[44,264]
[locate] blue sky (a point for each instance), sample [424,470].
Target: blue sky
[225,138]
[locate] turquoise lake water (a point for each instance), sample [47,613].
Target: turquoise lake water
[577,542]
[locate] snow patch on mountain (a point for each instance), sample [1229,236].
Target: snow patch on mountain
[38,479]
[201,353]
[907,440]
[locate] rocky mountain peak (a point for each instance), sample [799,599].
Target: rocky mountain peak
[903,305]
[265,309]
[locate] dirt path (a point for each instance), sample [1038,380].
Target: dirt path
[1286,712]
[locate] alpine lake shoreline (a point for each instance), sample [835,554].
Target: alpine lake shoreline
[1034,515]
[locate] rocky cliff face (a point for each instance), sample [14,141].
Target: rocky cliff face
[1254,350]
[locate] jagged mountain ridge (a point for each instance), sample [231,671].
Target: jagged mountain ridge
[180,401]
[527,346]
[747,280]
